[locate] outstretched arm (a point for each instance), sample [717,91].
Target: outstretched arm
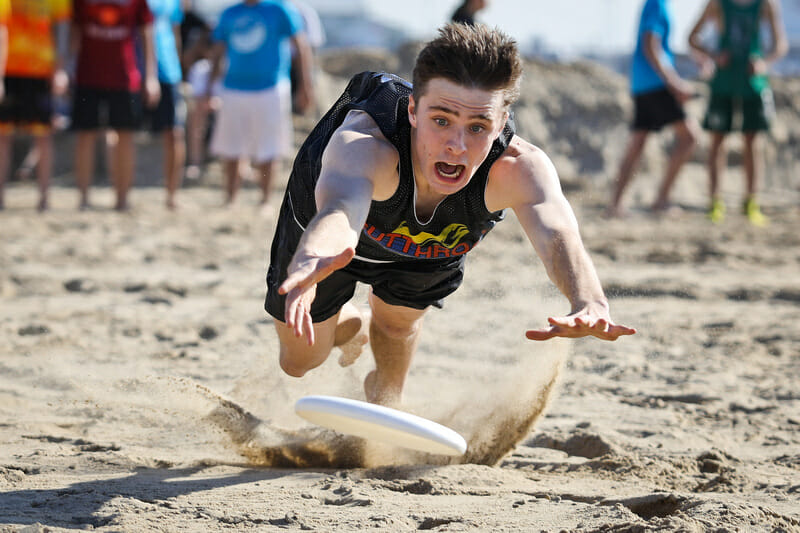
[532,185]
[356,159]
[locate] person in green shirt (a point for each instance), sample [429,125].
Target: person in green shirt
[741,99]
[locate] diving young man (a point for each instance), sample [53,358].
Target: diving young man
[394,186]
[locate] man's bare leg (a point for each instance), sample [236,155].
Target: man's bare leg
[296,356]
[343,330]
[5,161]
[124,166]
[685,141]
[394,334]
[266,171]
[352,333]
[717,161]
[233,180]
[44,144]
[753,163]
[174,140]
[84,164]
[633,152]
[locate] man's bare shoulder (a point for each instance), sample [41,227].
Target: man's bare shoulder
[359,124]
[359,148]
[523,173]
[520,151]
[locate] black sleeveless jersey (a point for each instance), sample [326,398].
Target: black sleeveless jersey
[392,232]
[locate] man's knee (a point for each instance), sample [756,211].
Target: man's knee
[291,367]
[297,362]
[395,328]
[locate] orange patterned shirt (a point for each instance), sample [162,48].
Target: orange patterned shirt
[5,12]
[31,48]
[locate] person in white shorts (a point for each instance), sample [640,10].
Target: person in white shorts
[254,119]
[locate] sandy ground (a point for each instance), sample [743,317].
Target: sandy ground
[140,390]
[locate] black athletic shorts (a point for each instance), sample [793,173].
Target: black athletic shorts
[27,101]
[169,112]
[99,108]
[728,113]
[415,284]
[655,109]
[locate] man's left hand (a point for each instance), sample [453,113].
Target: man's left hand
[582,323]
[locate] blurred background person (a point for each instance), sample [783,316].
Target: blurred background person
[31,73]
[658,97]
[168,118]
[195,48]
[741,98]
[108,86]
[255,117]
[465,13]
[315,35]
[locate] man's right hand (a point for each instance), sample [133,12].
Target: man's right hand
[682,90]
[300,287]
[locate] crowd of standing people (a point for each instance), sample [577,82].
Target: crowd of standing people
[740,97]
[118,67]
[129,65]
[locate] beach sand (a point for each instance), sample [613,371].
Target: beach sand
[140,388]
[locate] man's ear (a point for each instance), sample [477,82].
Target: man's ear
[506,114]
[412,112]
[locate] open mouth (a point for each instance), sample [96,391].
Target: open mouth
[448,171]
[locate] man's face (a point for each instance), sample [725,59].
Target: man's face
[453,130]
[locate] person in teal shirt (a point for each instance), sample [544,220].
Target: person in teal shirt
[658,97]
[168,118]
[740,99]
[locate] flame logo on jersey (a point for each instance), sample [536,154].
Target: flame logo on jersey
[450,242]
[449,237]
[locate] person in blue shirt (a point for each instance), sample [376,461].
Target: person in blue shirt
[169,117]
[254,120]
[658,96]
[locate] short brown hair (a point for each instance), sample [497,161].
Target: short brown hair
[472,56]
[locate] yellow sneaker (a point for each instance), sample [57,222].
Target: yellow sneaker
[716,213]
[753,212]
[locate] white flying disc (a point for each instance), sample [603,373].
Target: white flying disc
[376,422]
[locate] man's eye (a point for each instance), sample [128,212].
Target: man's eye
[477,128]
[440,121]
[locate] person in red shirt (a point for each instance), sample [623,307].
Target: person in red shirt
[108,86]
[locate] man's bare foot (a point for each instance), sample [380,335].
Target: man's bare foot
[614,211]
[665,209]
[43,204]
[352,334]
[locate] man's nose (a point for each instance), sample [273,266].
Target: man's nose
[456,144]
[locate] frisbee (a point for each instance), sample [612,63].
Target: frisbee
[376,422]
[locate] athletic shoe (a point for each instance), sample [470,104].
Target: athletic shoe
[716,213]
[753,212]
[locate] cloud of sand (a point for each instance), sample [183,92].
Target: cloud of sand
[164,420]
